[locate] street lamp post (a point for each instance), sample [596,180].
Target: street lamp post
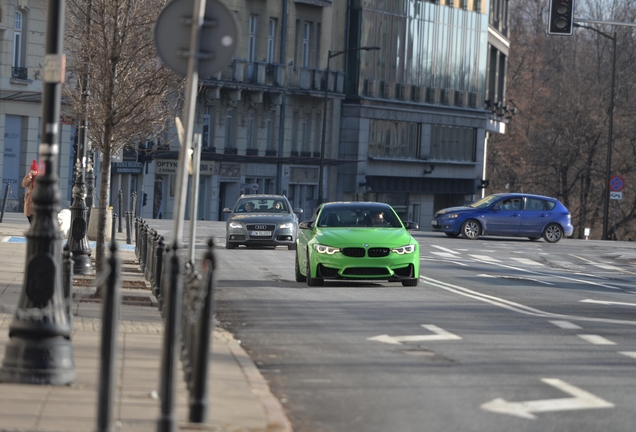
[39,350]
[321,173]
[610,137]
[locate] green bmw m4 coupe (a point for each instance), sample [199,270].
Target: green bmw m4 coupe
[356,241]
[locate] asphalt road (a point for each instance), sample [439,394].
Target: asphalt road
[500,335]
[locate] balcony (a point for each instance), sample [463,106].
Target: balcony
[19,73]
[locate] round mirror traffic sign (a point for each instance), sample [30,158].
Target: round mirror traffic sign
[219,37]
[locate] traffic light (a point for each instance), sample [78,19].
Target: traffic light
[561,17]
[145,200]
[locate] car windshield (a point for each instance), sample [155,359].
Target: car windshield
[349,217]
[261,205]
[484,202]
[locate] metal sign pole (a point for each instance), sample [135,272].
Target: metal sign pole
[194,194]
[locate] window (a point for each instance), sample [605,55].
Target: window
[269,133]
[304,134]
[207,137]
[250,129]
[396,140]
[251,48]
[453,143]
[305,46]
[229,129]
[271,41]
[17,41]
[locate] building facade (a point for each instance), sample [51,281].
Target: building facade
[414,123]
[22,30]
[407,124]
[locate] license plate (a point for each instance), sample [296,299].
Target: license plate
[261,233]
[433,222]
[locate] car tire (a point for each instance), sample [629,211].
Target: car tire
[299,276]
[471,229]
[453,235]
[229,245]
[291,246]
[410,282]
[310,280]
[553,233]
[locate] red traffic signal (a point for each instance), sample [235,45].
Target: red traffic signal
[561,17]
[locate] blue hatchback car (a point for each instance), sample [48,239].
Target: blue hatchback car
[511,215]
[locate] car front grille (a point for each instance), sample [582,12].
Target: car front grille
[353,252]
[261,228]
[379,252]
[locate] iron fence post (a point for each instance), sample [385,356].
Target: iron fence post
[121,210]
[4,200]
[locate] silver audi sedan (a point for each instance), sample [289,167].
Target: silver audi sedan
[261,220]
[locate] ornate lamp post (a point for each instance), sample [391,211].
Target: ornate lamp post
[39,349]
[324,115]
[77,241]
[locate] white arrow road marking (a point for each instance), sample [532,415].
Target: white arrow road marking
[440,334]
[444,254]
[607,302]
[581,400]
[596,339]
[631,354]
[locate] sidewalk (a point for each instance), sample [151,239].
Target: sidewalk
[239,397]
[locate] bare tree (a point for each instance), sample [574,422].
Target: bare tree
[557,144]
[133,98]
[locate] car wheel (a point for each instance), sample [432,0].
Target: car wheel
[471,229]
[534,238]
[229,245]
[291,246]
[310,280]
[299,276]
[553,233]
[410,282]
[452,234]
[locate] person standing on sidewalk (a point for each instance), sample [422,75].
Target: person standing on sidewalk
[29,182]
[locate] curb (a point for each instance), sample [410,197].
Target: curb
[277,420]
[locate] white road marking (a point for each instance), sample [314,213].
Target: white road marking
[446,261]
[608,267]
[631,354]
[439,335]
[581,400]
[445,249]
[596,339]
[485,258]
[444,254]
[527,261]
[607,302]
[565,325]
[513,306]
[516,278]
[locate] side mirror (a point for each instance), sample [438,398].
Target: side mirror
[227,210]
[298,210]
[411,225]
[306,225]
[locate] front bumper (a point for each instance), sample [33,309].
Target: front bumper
[446,225]
[278,237]
[393,267]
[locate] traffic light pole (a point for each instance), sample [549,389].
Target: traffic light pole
[610,137]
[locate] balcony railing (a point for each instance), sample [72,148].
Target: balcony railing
[19,73]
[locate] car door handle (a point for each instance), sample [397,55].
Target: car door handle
[514,215]
[543,215]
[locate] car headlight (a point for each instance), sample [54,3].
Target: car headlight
[407,249]
[286,225]
[235,225]
[450,216]
[325,249]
